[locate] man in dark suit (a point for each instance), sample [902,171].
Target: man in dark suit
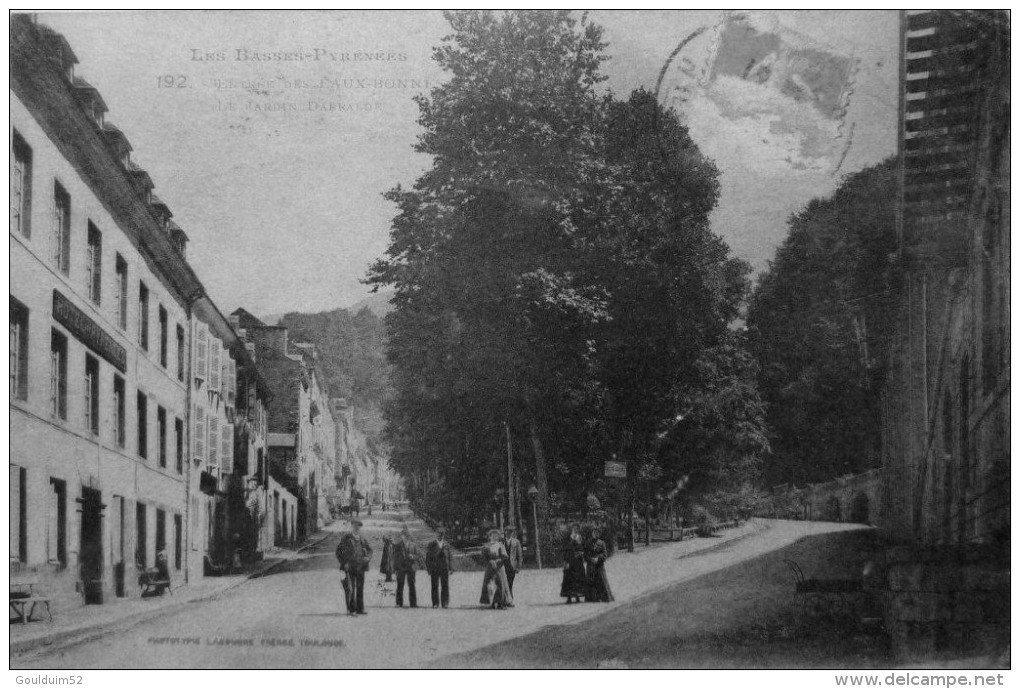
[405,562]
[439,563]
[354,553]
[515,556]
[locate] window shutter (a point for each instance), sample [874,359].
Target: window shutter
[251,401]
[225,376]
[227,460]
[232,384]
[214,441]
[201,351]
[215,363]
[198,434]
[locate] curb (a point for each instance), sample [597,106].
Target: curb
[69,638]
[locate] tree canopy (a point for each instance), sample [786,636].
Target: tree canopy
[556,279]
[818,323]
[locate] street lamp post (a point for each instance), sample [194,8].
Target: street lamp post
[533,494]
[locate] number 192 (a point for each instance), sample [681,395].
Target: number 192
[169,81]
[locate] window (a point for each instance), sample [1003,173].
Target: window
[56,522]
[163,334]
[19,514]
[94,264]
[122,292]
[179,444]
[18,350]
[91,394]
[143,316]
[21,186]
[161,425]
[178,540]
[118,411]
[143,425]
[58,375]
[141,547]
[180,353]
[61,229]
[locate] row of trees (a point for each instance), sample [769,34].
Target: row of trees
[819,324]
[557,282]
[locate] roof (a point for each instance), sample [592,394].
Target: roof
[87,90]
[116,137]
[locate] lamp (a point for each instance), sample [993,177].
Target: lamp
[533,495]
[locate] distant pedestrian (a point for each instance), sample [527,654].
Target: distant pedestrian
[386,564]
[405,562]
[495,574]
[515,557]
[575,581]
[355,505]
[596,554]
[354,554]
[439,563]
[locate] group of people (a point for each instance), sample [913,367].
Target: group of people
[584,573]
[584,568]
[400,558]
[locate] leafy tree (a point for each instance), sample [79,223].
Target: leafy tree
[490,318]
[554,270]
[818,323]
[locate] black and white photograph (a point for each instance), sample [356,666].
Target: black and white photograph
[510,340]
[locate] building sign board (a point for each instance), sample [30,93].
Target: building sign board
[88,331]
[616,469]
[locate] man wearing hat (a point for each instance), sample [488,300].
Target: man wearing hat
[405,562]
[354,553]
[439,563]
[515,554]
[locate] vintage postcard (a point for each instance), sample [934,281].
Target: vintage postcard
[510,339]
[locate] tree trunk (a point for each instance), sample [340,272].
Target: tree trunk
[541,483]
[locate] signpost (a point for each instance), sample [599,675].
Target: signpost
[616,469]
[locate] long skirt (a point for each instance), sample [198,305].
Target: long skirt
[575,583]
[598,585]
[502,597]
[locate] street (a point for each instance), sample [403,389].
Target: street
[295,616]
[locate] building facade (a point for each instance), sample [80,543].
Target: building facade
[301,430]
[946,425]
[99,316]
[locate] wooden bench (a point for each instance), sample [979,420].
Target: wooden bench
[23,600]
[826,596]
[151,580]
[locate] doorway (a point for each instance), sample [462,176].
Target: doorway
[91,546]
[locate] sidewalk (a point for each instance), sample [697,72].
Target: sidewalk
[90,622]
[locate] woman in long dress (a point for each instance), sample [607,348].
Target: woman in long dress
[495,557]
[598,584]
[386,563]
[575,582]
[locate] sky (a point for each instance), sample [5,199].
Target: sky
[273,135]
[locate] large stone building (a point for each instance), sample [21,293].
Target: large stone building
[100,299]
[138,418]
[946,456]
